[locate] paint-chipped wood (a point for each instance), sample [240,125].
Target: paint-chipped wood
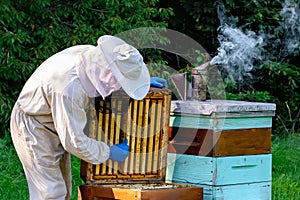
[214,123]
[249,191]
[218,171]
[220,106]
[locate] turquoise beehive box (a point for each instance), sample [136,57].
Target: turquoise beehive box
[222,146]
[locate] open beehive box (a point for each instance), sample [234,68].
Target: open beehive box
[139,192]
[144,123]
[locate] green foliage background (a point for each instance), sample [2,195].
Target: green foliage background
[31,31]
[276,80]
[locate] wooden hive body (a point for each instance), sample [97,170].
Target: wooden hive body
[144,123]
[222,146]
[221,128]
[219,171]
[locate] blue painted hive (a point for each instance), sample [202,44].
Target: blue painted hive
[222,146]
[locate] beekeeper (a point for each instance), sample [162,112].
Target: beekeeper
[49,117]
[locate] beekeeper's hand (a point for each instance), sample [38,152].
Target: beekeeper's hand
[158,82]
[119,152]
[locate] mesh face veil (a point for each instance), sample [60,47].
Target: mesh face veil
[126,64]
[96,75]
[111,65]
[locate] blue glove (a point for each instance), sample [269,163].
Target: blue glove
[158,82]
[119,152]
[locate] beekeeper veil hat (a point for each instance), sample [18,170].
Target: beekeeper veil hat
[126,64]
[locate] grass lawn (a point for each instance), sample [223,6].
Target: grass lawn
[285,184]
[286,168]
[13,185]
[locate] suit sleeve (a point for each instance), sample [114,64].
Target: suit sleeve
[69,116]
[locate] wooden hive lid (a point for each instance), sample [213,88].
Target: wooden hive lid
[153,92]
[220,106]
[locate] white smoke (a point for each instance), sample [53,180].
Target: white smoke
[238,51]
[241,51]
[290,26]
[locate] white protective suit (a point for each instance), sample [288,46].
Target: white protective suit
[49,117]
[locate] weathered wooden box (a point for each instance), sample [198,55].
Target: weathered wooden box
[144,123]
[222,146]
[249,191]
[218,171]
[221,128]
[140,192]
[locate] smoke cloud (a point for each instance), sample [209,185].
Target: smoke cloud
[241,51]
[238,51]
[290,26]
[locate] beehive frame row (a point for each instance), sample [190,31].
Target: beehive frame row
[144,124]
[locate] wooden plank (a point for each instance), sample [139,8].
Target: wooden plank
[128,130]
[105,132]
[192,141]
[111,135]
[133,138]
[86,171]
[164,135]
[220,123]
[157,132]
[93,128]
[219,171]
[219,106]
[151,136]
[189,169]
[144,136]
[100,132]
[88,192]
[243,142]
[251,191]
[224,143]
[241,169]
[176,194]
[117,119]
[91,131]
[138,146]
[269,113]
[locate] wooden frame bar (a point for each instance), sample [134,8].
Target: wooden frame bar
[145,123]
